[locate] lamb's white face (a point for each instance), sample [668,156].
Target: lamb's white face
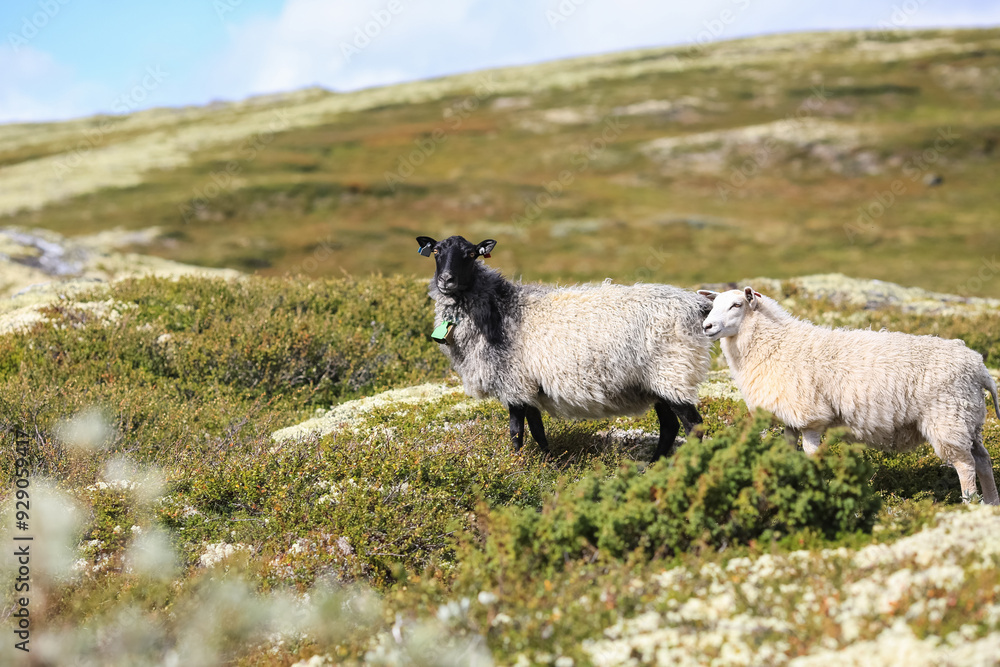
[728,310]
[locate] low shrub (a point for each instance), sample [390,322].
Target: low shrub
[183,361]
[740,486]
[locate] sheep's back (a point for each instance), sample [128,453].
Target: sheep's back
[603,350]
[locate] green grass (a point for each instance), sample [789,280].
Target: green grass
[416,534]
[425,505]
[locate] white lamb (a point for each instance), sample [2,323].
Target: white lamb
[892,390]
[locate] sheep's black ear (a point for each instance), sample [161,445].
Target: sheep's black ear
[426,245]
[485,247]
[708,294]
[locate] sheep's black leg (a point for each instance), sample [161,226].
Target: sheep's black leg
[688,415]
[535,424]
[669,427]
[517,426]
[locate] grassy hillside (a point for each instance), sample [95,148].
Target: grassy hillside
[870,154]
[260,469]
[411,534]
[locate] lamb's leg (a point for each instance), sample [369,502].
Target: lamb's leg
[517,426]
[965,465]
[951,443]
[792,436]
[984,470]
[811,440]
[535,425]
[669,427]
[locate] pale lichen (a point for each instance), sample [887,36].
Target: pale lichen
[352,414]
[220,552]
[830,600]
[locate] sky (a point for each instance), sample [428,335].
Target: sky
[68,58]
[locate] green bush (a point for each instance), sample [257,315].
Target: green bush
[188,360]
[331,338]
[737,487]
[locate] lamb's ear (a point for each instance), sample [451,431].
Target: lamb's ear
[753,298]
[708,294]
[426,245]
[485,247]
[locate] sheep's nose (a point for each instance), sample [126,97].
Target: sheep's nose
[446,276]
[709,326]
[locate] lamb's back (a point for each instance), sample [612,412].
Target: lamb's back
[883,385]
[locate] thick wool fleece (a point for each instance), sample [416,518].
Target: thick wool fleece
[587,351]
[892,390]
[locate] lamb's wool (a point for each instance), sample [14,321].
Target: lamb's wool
[587,351]
[892,390]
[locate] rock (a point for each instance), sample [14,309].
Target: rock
[841,289]
[32,257]
[38,267]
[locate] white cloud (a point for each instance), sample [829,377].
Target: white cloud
[37,87]
[312,42]
[345,46]
[374,42]
[341,46]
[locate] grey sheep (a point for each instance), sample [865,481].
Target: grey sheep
[589,351]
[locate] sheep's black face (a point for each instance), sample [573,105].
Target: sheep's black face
[456,261]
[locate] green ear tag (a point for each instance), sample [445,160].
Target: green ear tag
[444,332]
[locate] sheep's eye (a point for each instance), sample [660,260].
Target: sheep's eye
[473,254]
[435,251]
[735,305]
